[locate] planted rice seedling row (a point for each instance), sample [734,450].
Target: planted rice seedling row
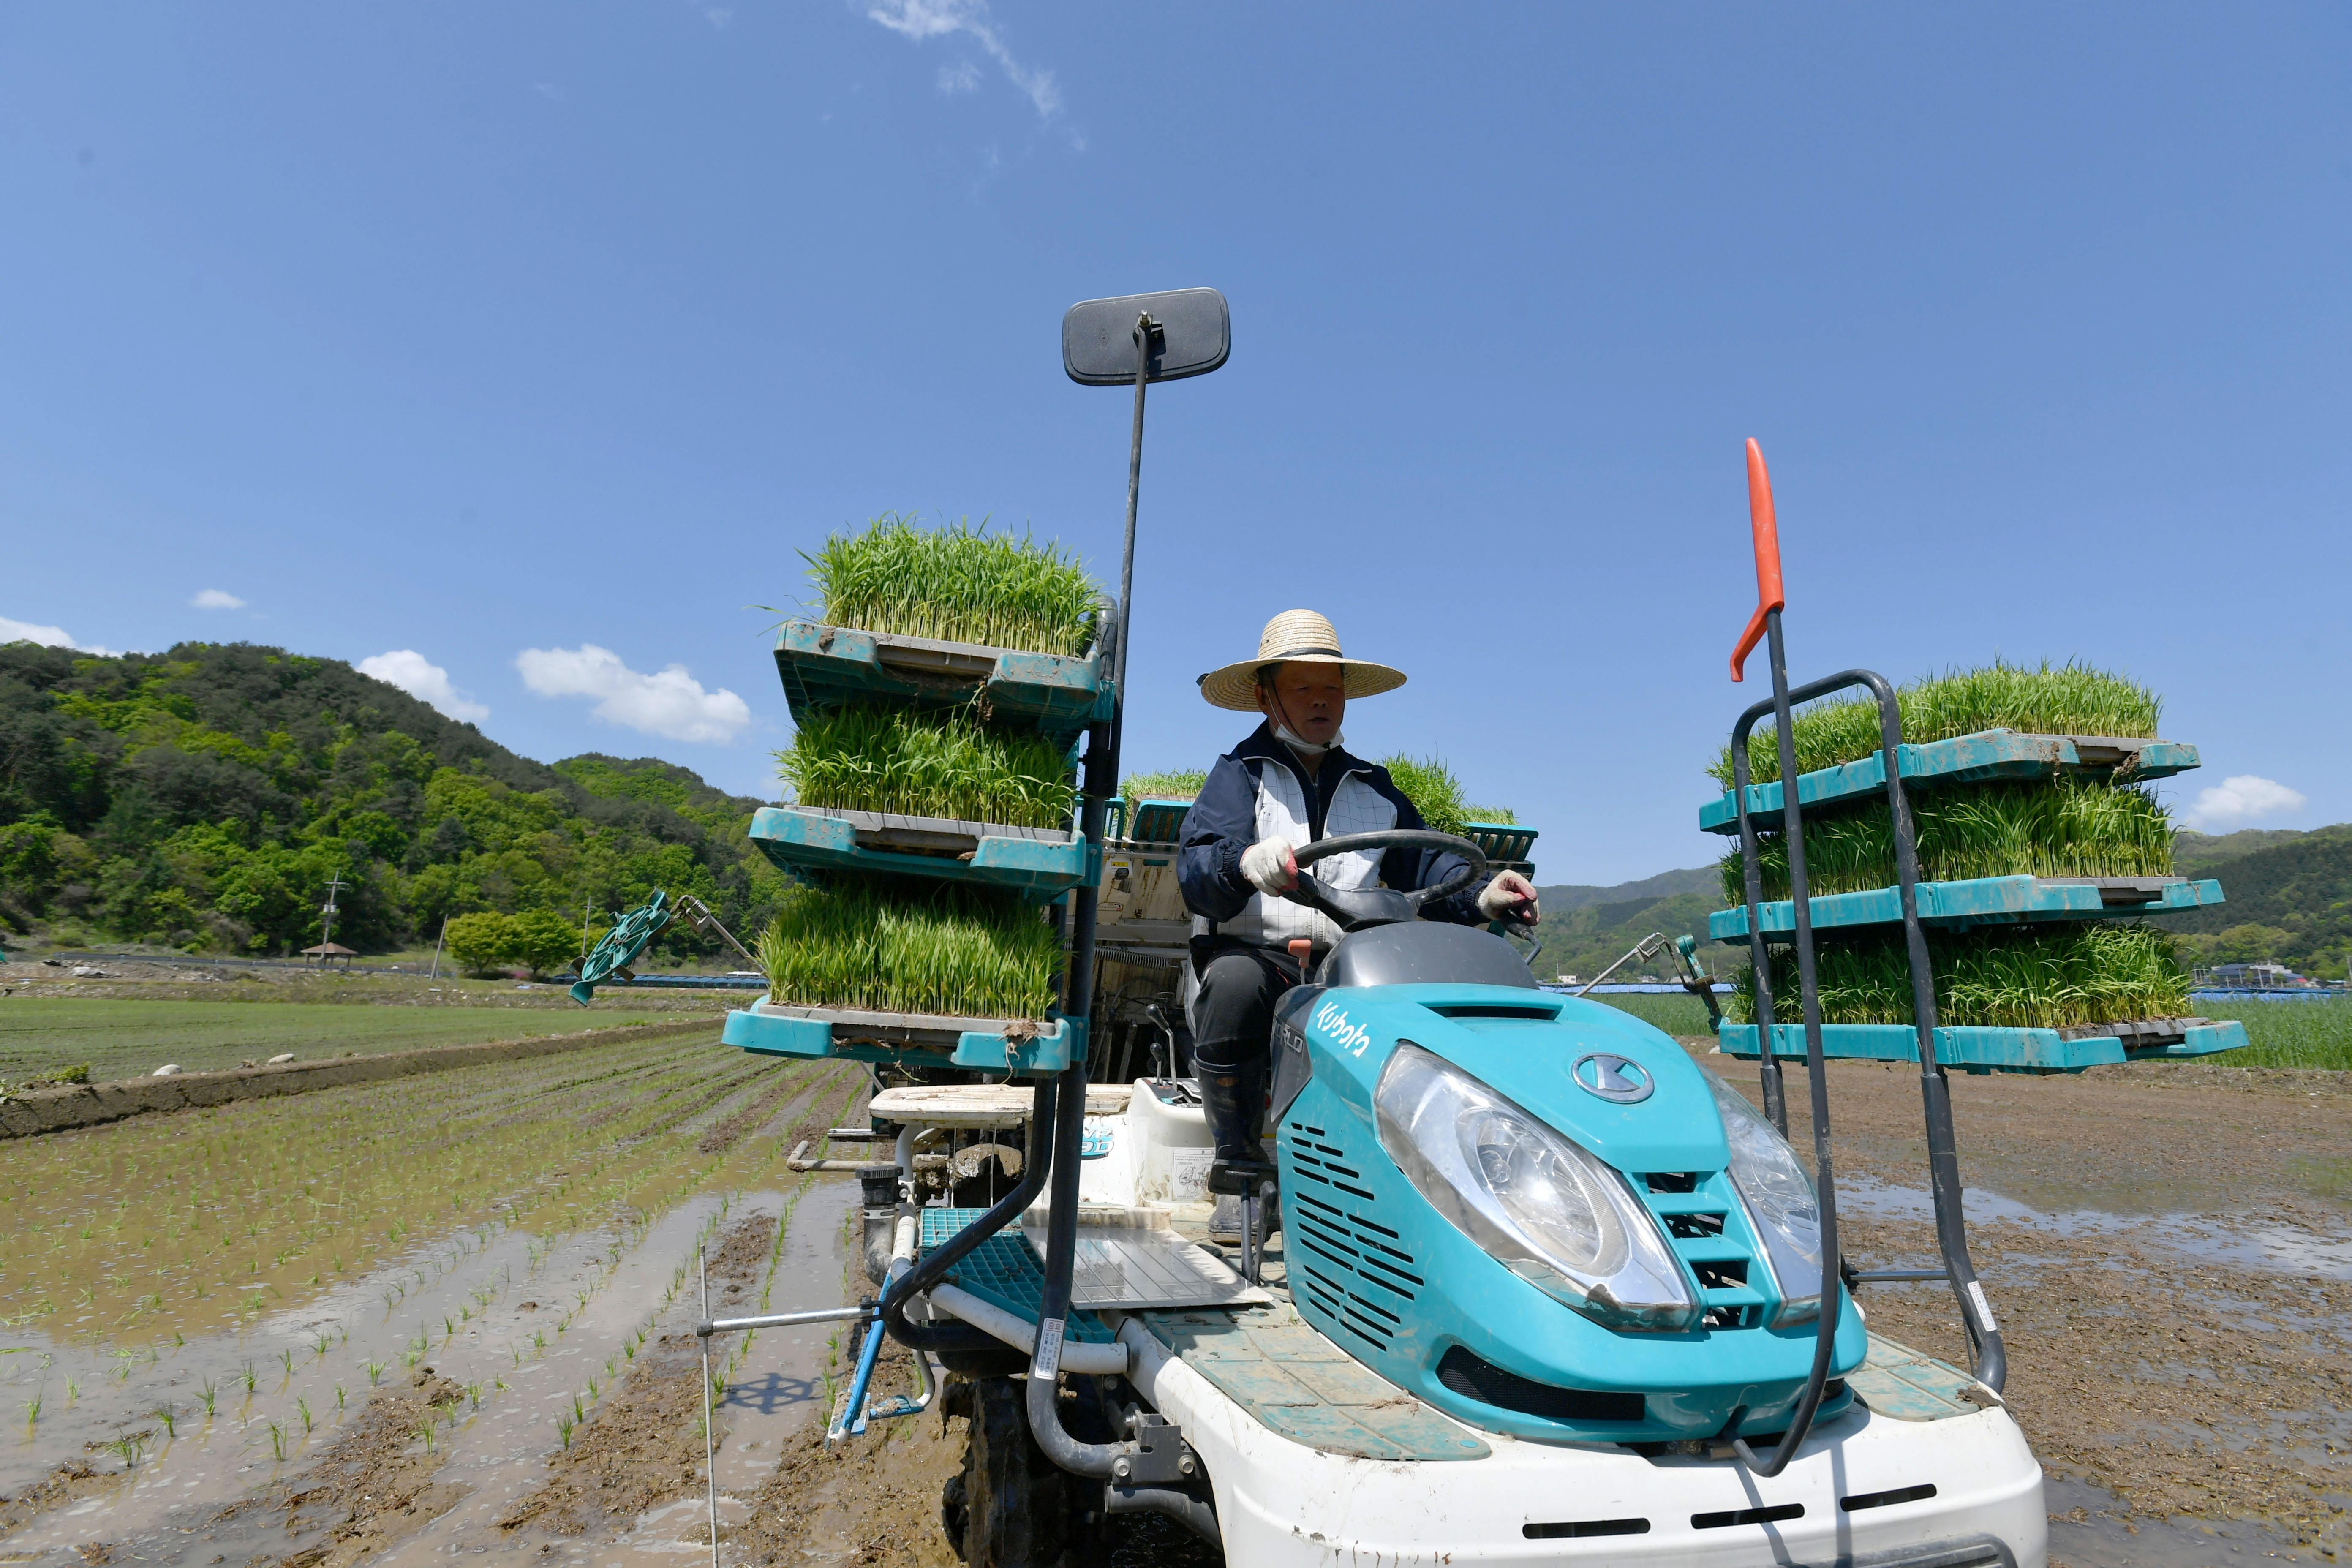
[142,1225]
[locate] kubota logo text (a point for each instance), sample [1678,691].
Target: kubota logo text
[1345,1036]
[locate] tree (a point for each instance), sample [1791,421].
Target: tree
[543,939]
[480,943]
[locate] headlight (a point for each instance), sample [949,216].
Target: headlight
[1780,1201]
[1547,1210]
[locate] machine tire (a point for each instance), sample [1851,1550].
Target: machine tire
[1017,1509]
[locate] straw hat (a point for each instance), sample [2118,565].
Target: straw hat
[1295,636]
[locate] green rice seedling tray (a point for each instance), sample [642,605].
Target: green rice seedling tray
[825,667]
[1004,1271]
[1038,860]
[1989,1050]
[908,1039]
[1963,759]
[1984,900]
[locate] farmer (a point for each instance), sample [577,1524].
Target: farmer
[1289,783]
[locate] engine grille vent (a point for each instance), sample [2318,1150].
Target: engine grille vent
[1697,1210]
[1474,1377]
[1349,1264]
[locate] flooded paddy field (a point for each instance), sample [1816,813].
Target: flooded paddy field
[429,1316]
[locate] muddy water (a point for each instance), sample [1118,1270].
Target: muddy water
[520,1326]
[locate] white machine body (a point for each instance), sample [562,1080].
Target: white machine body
[1283,1505]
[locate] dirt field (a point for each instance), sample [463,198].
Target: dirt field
[2170,1252]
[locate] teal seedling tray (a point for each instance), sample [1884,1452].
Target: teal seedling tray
[1963,759]
[1985,900]
[1154,819]
[1985,1051]
[825,667]
[1004,1271]
[1505,845]
[1036,860]
[906,1039]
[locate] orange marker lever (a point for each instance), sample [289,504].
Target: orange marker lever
[1768,596]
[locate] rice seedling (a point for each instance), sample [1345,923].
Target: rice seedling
[909,946]
[303,1408]
[1433,790]
[277,1441]
[210,1396]
[474,1394]
[376,1370]
[73,1392]
[339,1396]
[868,758]
[2071,698]
[286,1360]
[169,1415]
[130,1445]
[32,1410]
[1181,784]
[563,1425]
[2055,827]
[2033,977]
[250,1377]
[955,584]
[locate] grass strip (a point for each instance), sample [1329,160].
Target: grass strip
[2297,1034]
[956,584]
[2056,827]
[866,758]
[909,945]
[2021,977]
[2061,699]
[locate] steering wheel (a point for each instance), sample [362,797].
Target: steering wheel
[1357,908]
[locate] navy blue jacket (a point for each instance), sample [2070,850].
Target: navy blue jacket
[1223,822]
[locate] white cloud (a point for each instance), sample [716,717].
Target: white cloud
[961,77]
[425,680]
[670,703]
[2238,800]
[922,19]
[215,599]
[47,636]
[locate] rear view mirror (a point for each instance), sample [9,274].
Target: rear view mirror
[1194,336]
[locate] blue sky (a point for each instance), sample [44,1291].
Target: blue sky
[530,341]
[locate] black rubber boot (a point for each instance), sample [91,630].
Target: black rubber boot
[1234,1102]
[1234,1098]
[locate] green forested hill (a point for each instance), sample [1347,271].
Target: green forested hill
[2287,900]
[203,796]
[1587,929]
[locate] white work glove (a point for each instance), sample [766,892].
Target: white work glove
[1268,867]
[1509,897]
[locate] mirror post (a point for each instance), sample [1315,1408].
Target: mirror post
[1145,327]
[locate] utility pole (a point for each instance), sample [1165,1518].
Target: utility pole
[436,948]
[327,914]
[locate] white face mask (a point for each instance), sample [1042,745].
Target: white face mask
[1305,748]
